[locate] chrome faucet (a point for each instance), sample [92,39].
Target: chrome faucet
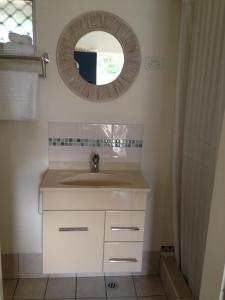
[95,163]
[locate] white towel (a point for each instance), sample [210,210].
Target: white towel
[19,93]
[12,48]
[18,38]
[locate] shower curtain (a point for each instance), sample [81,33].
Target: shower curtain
[198,118]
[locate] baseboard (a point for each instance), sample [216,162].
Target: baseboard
[29,265]
[173,281]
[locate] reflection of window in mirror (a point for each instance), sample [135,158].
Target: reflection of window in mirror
[100,57]
[108,66]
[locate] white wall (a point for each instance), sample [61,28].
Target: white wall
[23,145]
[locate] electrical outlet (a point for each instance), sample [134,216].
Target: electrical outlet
[168,249]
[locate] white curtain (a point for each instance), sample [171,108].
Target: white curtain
[182,83]
[198,118]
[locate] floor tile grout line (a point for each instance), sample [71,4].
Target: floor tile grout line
[46,287]
[17,282]
[105,287]
[18,265]
[75,287]
[134,286]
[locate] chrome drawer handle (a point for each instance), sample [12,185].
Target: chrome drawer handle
[123,260]
[124,228]
[73,229]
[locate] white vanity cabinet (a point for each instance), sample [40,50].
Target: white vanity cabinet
[93,230]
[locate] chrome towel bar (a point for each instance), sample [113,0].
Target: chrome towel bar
[44,59]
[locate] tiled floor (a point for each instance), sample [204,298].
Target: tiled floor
[97,288]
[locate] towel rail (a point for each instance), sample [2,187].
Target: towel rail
[44,59]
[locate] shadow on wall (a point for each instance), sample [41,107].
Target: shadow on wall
[7,195]
[21,167]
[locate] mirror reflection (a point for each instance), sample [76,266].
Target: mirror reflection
[99,57]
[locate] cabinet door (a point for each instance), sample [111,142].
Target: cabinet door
[73,241]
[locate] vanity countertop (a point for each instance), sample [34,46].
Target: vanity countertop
[82,179]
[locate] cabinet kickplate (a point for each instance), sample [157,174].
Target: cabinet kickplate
[113,285]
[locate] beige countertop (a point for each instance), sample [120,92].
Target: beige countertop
[121,180]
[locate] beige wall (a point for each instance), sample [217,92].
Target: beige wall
[23,145]
[214,262]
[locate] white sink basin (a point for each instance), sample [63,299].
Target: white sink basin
[95,179]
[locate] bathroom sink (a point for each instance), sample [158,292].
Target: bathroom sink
[96,180]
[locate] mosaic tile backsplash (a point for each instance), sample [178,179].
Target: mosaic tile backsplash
[113,142]
[94,143]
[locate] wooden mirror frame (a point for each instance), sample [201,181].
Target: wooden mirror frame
[98,21]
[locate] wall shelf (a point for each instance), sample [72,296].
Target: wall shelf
[25,63]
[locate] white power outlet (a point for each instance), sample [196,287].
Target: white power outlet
[153,63]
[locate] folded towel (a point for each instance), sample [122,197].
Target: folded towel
[19,95]
[21,39]
[12,48]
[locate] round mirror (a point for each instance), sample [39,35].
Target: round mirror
[99,57]
[113,35]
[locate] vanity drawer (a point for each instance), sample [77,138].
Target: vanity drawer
[73,241]
[124,226]
[122,257]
